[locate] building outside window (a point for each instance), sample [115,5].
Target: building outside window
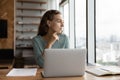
[107,32]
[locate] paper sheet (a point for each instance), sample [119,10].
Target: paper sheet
[22,72]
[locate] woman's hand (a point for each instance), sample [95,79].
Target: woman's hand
[51,40]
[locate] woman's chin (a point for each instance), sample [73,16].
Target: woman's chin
[60,32]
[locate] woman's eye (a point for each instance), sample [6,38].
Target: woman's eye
[58,20]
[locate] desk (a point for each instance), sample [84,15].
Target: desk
[38,76]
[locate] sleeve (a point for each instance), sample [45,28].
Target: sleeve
[67,42]
[38,52]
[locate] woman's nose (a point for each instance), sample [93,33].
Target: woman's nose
[62,24]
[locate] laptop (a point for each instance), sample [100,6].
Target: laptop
[64,62]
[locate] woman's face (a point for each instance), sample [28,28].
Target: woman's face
[56,25]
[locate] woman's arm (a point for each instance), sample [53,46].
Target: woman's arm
[67,45]
[38,50]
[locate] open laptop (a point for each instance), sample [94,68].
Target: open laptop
[64,62]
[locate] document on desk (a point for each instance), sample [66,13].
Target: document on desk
[104,70]
[22,72]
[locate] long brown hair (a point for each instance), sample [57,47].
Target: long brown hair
[43,27]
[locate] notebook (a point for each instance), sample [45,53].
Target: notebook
[64,62]
[104,70]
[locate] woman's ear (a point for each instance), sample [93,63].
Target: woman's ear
[48,23]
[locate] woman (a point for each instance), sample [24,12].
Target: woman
[49,35]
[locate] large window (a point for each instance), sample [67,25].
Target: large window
[80,23]
[75,22]
[107,32]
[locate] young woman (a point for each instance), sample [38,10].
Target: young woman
[49,35]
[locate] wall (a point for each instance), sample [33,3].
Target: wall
[7,12]
[53,4]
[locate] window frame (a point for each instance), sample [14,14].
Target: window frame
[91,24]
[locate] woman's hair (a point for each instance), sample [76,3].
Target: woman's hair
[43,27]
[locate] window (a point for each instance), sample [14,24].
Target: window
[107,32]
[66,19]
[74,12]
[80,23]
